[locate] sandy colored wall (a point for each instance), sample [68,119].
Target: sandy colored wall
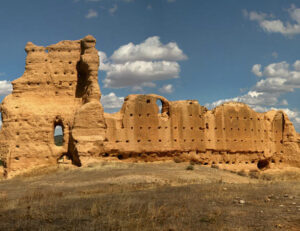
[58,83]
[231,133]
[60,87]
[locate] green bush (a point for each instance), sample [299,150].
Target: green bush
[190,167]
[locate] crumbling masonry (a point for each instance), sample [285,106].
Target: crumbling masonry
[60,87]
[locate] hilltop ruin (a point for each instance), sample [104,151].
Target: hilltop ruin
[60,87]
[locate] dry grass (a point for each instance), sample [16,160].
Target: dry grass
[148,197]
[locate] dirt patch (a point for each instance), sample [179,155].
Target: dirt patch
[156,196]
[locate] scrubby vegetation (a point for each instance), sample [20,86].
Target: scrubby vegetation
[127,196]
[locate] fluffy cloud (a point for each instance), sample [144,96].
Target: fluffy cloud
[268,24]
[92,14]
[280,78]
[138,72]
[5,87]
[112,101]
[135,65]
[141,87]
[256,70]
[150,49]
[276,79]
[167,89]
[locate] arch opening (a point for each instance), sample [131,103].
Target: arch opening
[163,107]
[58,134]
[159,104]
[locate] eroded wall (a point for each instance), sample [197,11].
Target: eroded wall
[60,87]
[231,133]
[58,83]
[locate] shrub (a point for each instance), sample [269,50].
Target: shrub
[190,167]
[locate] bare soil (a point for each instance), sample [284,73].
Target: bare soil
[150,196]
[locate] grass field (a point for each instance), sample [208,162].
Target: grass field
[150,196]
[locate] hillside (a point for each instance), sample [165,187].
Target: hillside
[149,196]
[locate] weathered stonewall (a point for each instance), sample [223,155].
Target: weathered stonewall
[60,87]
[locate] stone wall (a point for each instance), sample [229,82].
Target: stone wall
[231,133]
[59,84]
[60,87]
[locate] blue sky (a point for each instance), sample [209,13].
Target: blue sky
[211,51]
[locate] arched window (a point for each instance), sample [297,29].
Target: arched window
[58,135]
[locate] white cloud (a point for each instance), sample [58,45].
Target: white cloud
[276,79]
[167,89]
[92,14]
[268,24]
[137,72]
[149,84]
[5,87]
[112,101]
[141,87]
[252,98]
[113,9]
[134,65]
[256,69]
[297,65]
[284,102]
[150,49]
[277,70]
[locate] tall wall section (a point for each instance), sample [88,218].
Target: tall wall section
[58,83]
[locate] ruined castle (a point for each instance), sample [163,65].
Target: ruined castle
[60,87]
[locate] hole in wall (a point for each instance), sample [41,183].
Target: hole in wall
[58,135]
[120,157]
[262,164]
